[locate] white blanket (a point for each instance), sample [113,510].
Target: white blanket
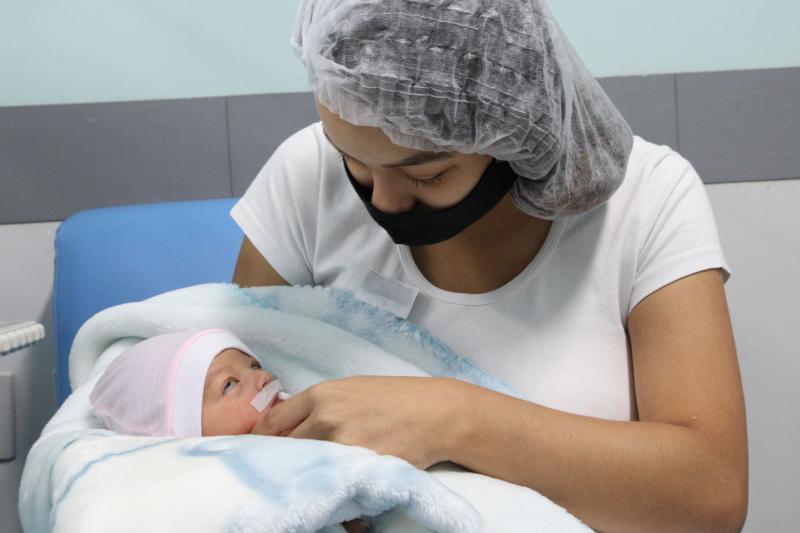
[80,477]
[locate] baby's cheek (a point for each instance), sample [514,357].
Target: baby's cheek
[231,420]
[255,416]
[246,418]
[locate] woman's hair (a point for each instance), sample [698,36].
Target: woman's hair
[495,77]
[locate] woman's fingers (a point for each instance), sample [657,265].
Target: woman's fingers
[305,430]
[282,419]
[401,416]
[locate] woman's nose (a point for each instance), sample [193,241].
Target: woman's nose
[389,195]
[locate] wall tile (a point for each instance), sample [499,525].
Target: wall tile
[56,160]
[648,104]
[741,126]
[258,125]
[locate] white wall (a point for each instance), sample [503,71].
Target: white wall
[26,286]
[758,224]
[57,51]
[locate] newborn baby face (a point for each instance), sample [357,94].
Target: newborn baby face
[232,381]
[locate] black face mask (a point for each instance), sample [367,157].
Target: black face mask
[431,228]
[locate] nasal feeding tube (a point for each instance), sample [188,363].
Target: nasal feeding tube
[266,395]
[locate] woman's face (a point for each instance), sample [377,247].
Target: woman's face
[232,381]
[402,180]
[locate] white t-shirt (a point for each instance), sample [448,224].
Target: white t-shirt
[556,332]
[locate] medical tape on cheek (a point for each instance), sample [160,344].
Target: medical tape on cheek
[267,394]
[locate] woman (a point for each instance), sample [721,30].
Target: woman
[497,198]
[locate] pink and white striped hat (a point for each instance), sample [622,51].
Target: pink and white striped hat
[156,386]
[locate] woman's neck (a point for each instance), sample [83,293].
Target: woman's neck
[486,255]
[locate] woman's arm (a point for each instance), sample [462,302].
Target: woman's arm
[252,270]
[682,467]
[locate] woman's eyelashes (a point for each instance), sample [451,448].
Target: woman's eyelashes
[416,181]
[425,181]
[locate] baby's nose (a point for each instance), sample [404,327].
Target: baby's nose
[263,378]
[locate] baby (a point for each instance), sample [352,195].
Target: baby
[189,384]
[186,384]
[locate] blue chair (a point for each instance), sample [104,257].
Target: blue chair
[110,256]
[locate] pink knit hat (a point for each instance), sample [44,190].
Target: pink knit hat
[156,386]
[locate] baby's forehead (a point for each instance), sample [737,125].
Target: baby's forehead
[227,360]
[230,356]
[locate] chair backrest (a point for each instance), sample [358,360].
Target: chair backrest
[110,256]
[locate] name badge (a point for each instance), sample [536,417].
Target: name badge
[389,294]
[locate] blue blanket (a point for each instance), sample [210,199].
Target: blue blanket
[82,477]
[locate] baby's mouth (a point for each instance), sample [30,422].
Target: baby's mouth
[267,397]
[275,402]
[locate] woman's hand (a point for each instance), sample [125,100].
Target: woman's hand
[412,418]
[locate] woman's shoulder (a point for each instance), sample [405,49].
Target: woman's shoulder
[303,147]
[661,191]
[304,176]
[654,172]
[651,161]
[311,135]
[298,165]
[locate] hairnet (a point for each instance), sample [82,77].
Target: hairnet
[495,77]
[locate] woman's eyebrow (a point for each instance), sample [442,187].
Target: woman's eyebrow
[421,157]
[418,158]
